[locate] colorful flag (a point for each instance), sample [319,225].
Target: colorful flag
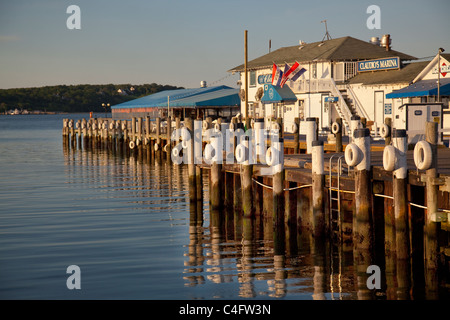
[297,73]
[277,75]
[287,72]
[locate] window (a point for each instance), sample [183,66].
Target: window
[252,80]
[314,70]
[349,70]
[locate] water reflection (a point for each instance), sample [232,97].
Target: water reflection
[235,256]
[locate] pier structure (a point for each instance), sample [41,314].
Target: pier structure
[368,197]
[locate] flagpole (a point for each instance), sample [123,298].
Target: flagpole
[246,75]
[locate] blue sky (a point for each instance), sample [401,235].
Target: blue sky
[184,42]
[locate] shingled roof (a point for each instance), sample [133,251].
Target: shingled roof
[404,75]
[340,49]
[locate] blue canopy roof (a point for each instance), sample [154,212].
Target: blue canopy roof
[189,98]
[421,89]
[277,94]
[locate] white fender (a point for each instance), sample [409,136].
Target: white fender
[335,127]
[269,157]
[389,158]
[111,126]
[217,127]
[103,125]
[422,155]
[156,146]
[385,131]
[353,155]
[176,152]
[241,153]
[70,123]
[294,128]
[209,152]
[166,148]
[138,141]
[77,125]
[275,127]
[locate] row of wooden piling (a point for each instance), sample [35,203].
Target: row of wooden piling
[243,187]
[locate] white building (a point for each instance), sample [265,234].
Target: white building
[357,73]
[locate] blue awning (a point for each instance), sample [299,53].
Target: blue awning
[422,88]
[274,94]
[189,98]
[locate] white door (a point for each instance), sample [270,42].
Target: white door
[325,116]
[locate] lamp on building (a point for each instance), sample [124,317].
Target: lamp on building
[105,105]
[439,75]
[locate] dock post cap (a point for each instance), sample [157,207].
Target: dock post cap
[317,143]
[361,133]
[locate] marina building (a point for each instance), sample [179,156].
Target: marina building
[344,77]
[216,101]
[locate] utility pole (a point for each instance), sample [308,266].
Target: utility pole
[246,75]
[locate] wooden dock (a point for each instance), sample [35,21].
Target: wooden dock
[363,206]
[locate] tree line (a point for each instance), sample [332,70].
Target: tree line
[75,98]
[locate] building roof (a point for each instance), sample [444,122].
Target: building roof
[340,49]
[189,98]
[404,75]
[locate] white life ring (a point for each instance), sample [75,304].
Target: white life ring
[205,125]
[77,125]
[209,152]
[270,157]
[176,152]
[111,126]
[70,123]
[275,127]
[156,146]
[132,145]
[294,128]
[124,126]
[352,155]
[385,131]
[241,153]
[217,127]
[423,155]
[335,127]
[166,147]
[389,158]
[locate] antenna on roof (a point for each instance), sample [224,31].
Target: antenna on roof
[327,35]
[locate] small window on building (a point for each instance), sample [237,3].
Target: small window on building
[252,80]
[314,70]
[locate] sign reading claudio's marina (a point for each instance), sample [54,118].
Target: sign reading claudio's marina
[379,64]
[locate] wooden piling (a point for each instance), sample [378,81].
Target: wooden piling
[246,182]
[431,226]
[363,193]
[339,135]
[278,184]
[190,151]
[318,183]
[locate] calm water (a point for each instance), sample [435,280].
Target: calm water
[130,228]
